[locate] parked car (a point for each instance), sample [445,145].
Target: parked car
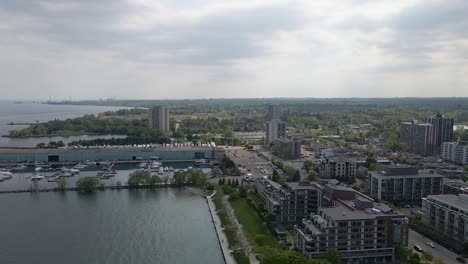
[418,248]
[460,259]
[430,244]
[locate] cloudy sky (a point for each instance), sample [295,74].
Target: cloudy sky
[91,49]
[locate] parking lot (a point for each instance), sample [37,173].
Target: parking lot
[249,161]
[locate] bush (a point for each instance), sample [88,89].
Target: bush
[87,184]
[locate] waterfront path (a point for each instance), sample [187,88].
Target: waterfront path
[240,232]
[223,241]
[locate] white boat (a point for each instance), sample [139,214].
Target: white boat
[143,165]
[88,162]
[37,169]
[155,166]
[161,170]
[74,171]
[37,177]
[66,174]
[19,167]
[5,174]
[80,166]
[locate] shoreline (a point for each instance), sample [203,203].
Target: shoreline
[62,136]
[113,187]
[222,239]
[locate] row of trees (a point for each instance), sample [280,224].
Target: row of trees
[87,124]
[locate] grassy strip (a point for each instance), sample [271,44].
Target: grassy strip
[256,230]
[225,221]
[240,257]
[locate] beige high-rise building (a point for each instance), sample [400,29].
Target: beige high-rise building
[159,118]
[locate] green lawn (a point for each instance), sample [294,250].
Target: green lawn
[255,197]
[253,224]
[240,257]
[225,221]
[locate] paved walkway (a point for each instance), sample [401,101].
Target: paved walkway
[245,244]
[223,242]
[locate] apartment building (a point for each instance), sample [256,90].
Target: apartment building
[159,118]
[288,148]
[404,184]
[339,168]
[291,203]
[456,152]
[274,130]
[443,127]
[361,230]
[447,214]
[418,137]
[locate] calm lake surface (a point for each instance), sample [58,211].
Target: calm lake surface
[144,226]
[28,112]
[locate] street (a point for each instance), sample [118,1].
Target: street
[448,256]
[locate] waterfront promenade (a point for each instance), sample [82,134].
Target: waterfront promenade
[223,242]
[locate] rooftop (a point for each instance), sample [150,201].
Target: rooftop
[104,149]
[460,201]
[303,185]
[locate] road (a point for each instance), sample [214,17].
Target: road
[440,252]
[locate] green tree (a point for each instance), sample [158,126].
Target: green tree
[138,178]
[393,145]
[427,257]
[242,191]
[332,256]
[414,259]
[275,176]
[308,165]
[297,176]
[61,183]
[404,254]
[154,180]
[87,184]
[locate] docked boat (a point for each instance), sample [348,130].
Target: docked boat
[161,170]
[6,174]
[19,167]
[155,166]
[37,177]
[88,162]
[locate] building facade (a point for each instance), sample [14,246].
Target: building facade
[447,214]
[404,184]
[159,118]
[456,152]
[359,229]
[288,148]
[273,131]
[273,113]
[339,168]
[290,204]
[443,127]
[418,137]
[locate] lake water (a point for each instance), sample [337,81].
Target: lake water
[28,112]
[145,226]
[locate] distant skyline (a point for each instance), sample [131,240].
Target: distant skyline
[178,49]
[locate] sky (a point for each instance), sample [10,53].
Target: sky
[175,49]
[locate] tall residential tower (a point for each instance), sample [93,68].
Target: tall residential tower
[159,118]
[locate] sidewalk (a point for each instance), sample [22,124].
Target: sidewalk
[223,242]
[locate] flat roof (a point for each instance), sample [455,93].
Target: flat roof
[103,149]
[303,186]
[342,212]
[460,201]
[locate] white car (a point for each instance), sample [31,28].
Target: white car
[430,244]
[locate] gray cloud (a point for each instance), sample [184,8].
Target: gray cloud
[215,39]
